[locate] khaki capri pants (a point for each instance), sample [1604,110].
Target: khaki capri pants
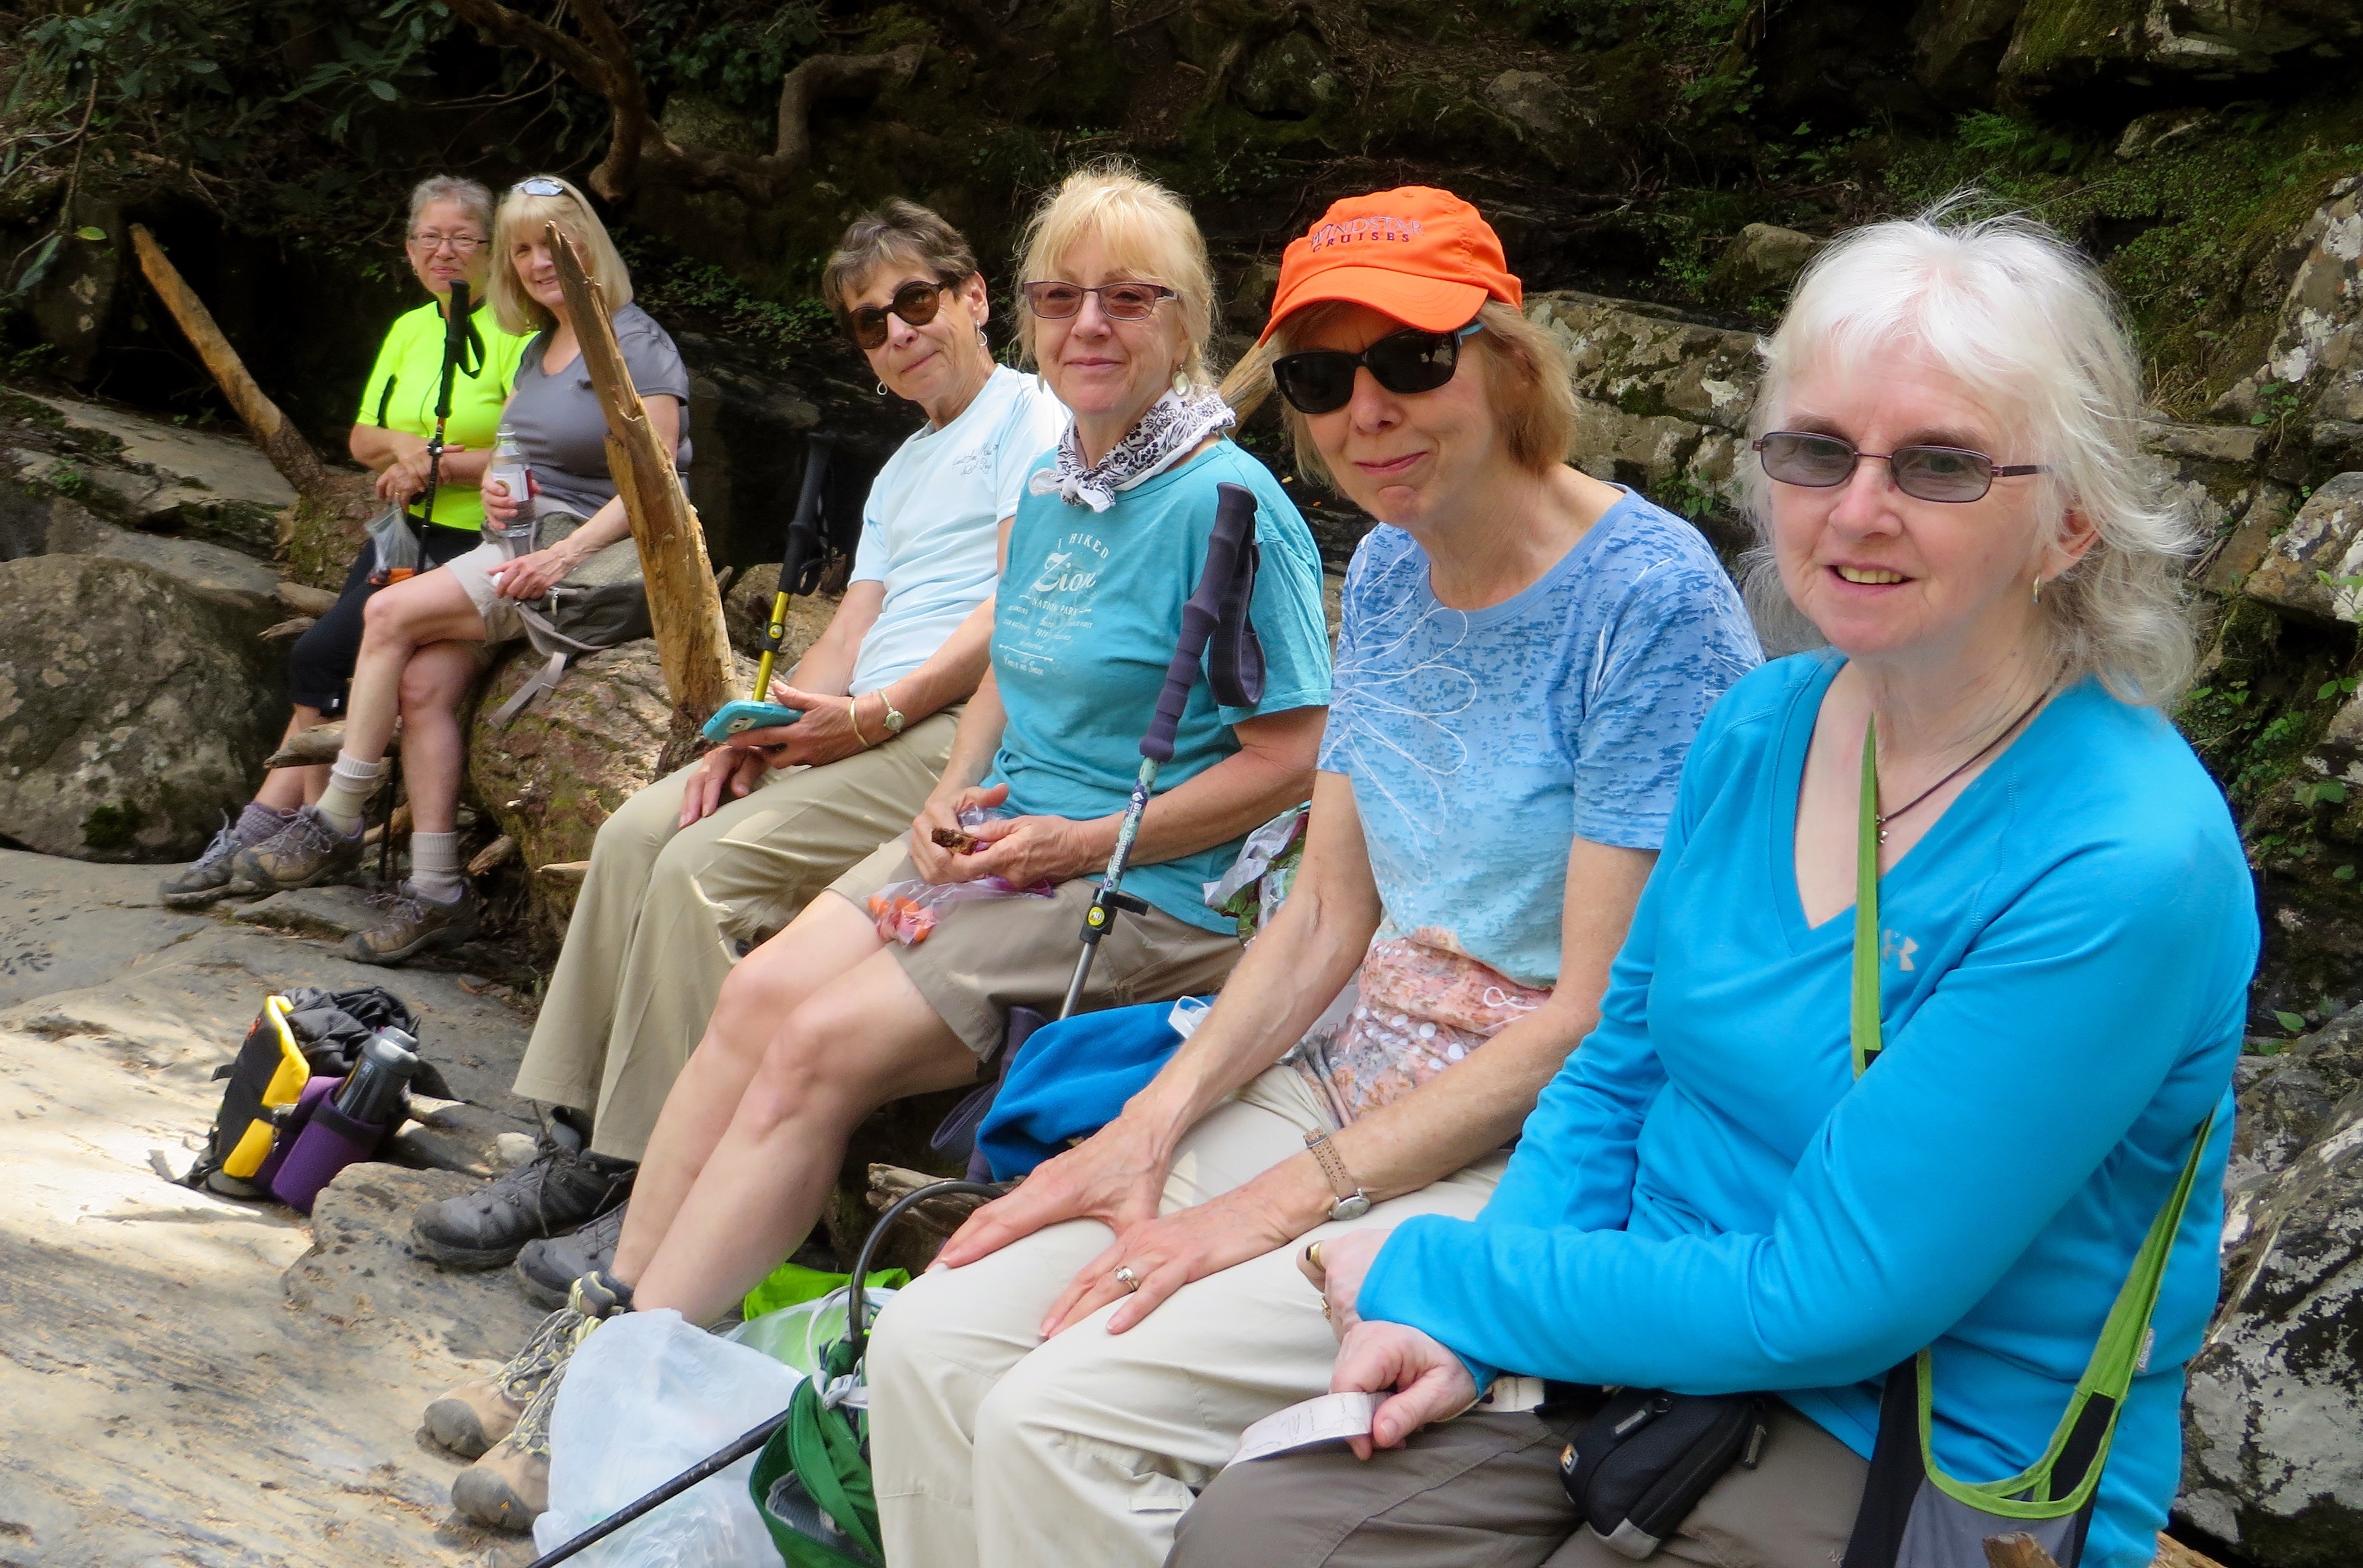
[664,911]
[994,1449]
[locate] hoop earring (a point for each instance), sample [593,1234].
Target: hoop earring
[2038,588]
[882,390]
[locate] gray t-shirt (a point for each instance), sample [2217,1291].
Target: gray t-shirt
[557,418]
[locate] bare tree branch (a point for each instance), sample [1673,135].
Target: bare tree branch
[638,149]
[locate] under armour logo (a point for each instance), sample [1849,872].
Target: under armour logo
[1895,945]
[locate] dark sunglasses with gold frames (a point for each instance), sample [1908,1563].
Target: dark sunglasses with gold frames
[916,302]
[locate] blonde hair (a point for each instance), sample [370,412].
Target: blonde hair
[2030,330]
[521,220]
[1529,385]
[1147,232]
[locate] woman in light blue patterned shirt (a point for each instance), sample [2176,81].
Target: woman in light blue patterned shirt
[1526,656]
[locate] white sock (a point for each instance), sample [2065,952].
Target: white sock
[435,865]
[350,784]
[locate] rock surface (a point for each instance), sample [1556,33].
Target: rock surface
[171,1397]
[134,709]
[1762,263]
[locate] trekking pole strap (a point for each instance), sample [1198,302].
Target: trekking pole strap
[857,1328]
[804,534]
[1231,545]
[455,348]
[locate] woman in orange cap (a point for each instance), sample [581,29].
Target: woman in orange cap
[1526,652]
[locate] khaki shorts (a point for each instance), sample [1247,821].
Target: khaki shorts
[473,572]
[984,958]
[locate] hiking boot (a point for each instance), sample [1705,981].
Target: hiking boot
[563,1187]
[508,1489]
[481,1411]
[414,923]
[306,852]
[548,1267]
[209,876]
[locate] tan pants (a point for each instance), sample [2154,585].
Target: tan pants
[1483,1492]
[664,909]
[995,1448]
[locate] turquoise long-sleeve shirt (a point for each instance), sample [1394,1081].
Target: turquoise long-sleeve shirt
[1705,1200]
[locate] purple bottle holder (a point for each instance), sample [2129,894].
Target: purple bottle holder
[329,1142]
[291,1122]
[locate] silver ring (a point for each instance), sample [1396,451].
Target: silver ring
[1126,1278]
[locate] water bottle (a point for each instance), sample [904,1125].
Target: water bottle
[510,473]
[372,1090]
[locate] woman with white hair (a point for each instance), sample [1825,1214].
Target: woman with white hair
[424,641]
[1909,1100]
[446,239]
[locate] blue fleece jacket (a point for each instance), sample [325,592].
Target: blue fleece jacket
[1705,1200]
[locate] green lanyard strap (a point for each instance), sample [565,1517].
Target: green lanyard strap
[2123,1346]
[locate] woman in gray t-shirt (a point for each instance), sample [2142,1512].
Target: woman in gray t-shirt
[424,640]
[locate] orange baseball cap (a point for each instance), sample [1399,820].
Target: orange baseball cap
[1421,255]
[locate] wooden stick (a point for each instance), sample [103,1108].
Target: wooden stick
[499,853]
[2018,1550]
[2172,1553]
[692,641]
[289,452]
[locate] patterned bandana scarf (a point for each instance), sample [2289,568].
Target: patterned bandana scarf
[1173,425]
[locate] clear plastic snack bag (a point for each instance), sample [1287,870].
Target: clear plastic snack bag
[797,1335]
[906,911]
[396,544]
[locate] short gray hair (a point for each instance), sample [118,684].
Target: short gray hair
[469,195]
[2027,325]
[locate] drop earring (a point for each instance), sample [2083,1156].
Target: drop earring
[881,389]
[1181,383]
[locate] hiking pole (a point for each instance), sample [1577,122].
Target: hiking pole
[1234,533]
[807,556]
[455,348]
[755,1437]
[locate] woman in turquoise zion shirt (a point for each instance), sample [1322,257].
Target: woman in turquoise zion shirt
[1707,1200]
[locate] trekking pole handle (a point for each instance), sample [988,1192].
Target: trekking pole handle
[455,337]
[803,530]
[857,1327]
[1235,510]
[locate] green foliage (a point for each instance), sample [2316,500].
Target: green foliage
[676,284]
[737,51]
[2293,1022]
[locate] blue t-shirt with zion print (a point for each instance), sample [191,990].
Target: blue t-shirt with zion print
[1085,624]
[1477,740]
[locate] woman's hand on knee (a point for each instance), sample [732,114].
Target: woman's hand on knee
[1150,1260]
[1430,1383]
[1115,1176]
[723,774]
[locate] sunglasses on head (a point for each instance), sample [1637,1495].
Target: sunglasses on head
[538,185]
[916,302]
[1118,302]
[1321,381]
[1926,473]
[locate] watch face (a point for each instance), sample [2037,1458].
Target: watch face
[1352,1207]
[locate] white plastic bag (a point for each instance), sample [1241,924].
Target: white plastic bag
[647,1397]
[797,1335]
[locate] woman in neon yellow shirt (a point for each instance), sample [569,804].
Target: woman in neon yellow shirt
[445,241]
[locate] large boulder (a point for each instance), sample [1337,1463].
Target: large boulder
[2313,566]
[2273,1421]
[134,708]
[2062,47]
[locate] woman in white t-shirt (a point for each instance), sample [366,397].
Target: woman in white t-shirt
[728,850]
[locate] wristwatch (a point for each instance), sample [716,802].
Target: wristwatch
[893,715]
[1352,1201]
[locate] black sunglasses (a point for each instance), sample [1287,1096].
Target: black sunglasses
[1321,381]
[915,302]
[1926,473]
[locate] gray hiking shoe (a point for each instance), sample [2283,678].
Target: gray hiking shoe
[481,1411]
[306,852]
[548,1267]
[414,923]
[209,876]
[563,1187]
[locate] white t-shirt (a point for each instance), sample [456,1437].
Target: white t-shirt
[931,529]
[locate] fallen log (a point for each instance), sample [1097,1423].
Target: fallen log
[287,630]
[2172,1553]
[564,871]
[499,853]
[684,608]
[304,600]
[938,1215]
[377,830]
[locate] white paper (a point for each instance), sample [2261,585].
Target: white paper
[1325,1420]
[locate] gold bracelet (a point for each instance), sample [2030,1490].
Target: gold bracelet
[853,717]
